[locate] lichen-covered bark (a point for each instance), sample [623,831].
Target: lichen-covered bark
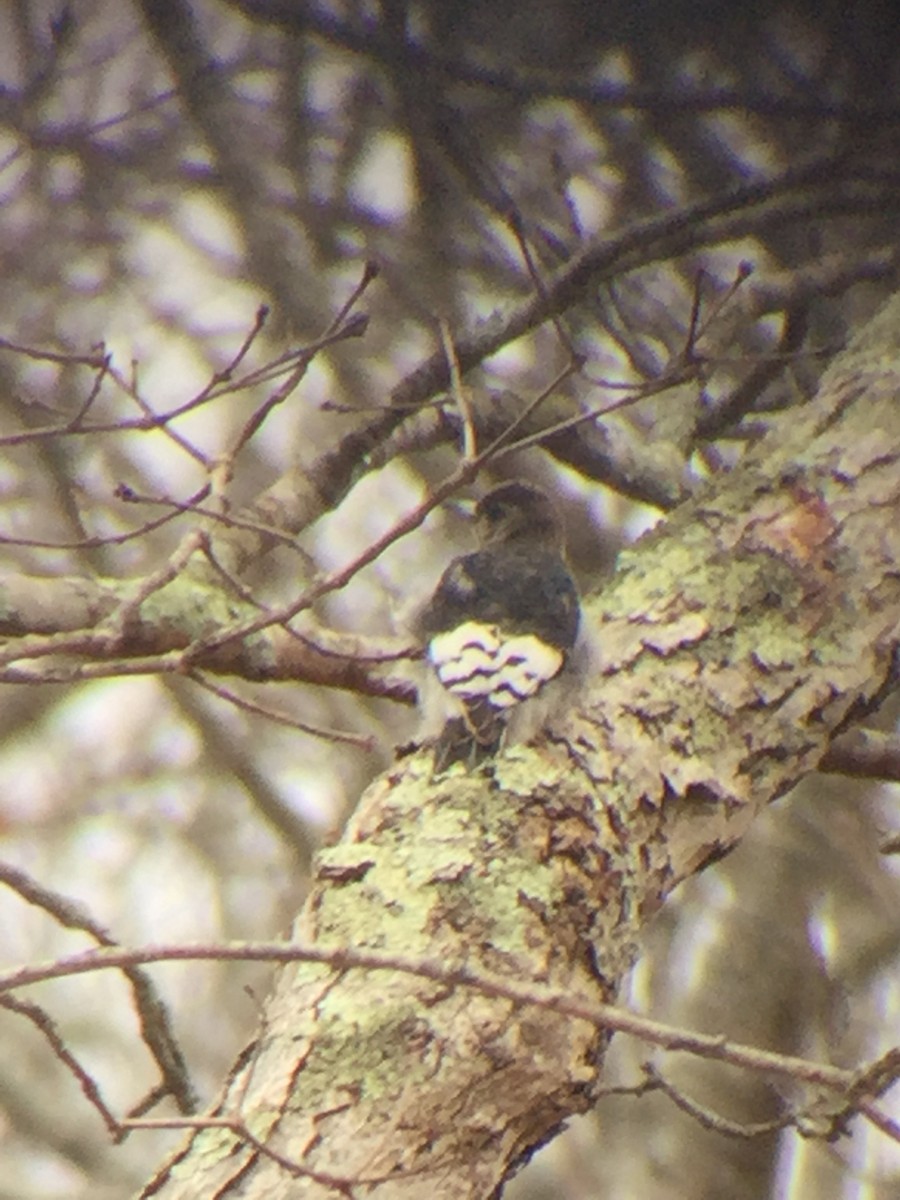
[731,646]
[107,620]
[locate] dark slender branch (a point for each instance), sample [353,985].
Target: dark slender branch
[607,1016]
[152,1012]
[412,56]
[864,754]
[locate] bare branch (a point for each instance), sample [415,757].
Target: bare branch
[152,1012]
[606,1016]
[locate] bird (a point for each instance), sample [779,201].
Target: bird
[500,627]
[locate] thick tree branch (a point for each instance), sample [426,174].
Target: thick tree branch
[734,642]
[821,187]
[419,59]
[864,754]
[46,618]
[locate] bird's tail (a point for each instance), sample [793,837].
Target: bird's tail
[472,738]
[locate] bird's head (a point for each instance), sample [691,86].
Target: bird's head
[518,513]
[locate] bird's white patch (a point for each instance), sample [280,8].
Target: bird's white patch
[477,661]
[458,580]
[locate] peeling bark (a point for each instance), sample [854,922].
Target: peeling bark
[735,641]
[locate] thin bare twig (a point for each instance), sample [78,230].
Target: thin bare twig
[515,223]
[359,740]
[151,1009]
[45,1023]
[605,1016]
[339,330]
[156,421]
[131,389]
[344,1187]
[92,395]
[117,623]
[460,396]
[705,1117]
[123,492]
[96,361]
[464,473]
[229,520]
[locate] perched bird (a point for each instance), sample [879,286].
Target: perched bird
[500,626]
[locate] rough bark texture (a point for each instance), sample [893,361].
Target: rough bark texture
[735,640]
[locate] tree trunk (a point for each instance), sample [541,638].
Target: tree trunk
[734,641]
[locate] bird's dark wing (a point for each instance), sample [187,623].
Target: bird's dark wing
[512,589]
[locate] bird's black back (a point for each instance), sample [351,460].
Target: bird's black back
[520,589]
